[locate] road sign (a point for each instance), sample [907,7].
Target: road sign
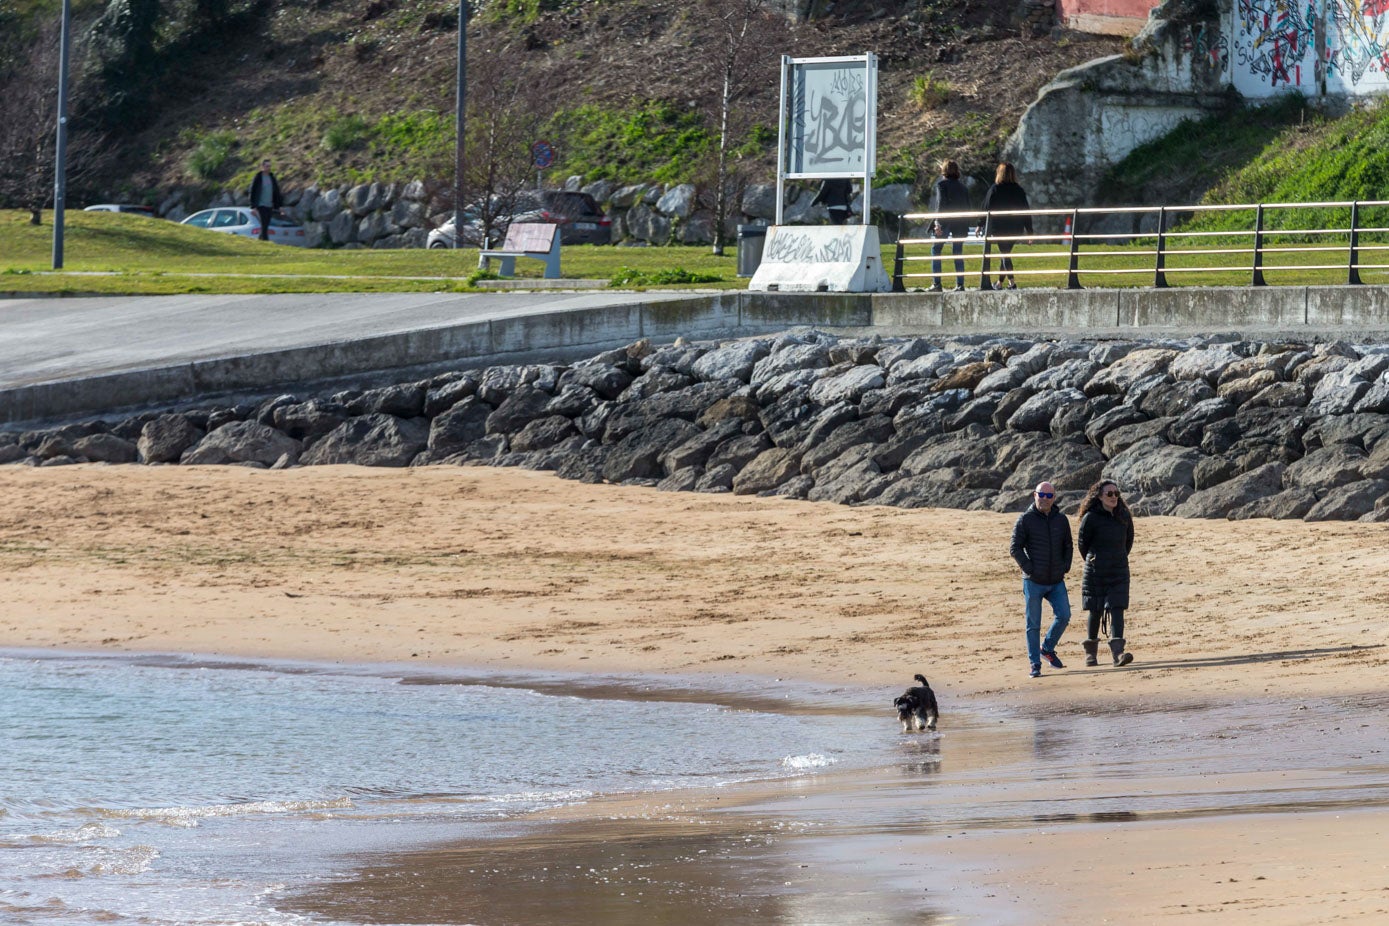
[542,154]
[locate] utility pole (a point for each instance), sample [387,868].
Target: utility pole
[60,180]
[460,107]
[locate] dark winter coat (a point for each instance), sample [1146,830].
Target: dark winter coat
[1105,540]
[951,196]
[1042,545]
[835,193]
[274,189]
[1008,197]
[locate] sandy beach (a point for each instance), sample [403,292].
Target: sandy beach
[505,569]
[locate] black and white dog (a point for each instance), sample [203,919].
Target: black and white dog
[916,708]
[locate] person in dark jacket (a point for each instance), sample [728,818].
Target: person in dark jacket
[949,195]
[265,198]
[1042,549]
[1105,540]
[1006,196]
[835,193]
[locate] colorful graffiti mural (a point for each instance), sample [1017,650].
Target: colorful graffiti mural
[1316,46]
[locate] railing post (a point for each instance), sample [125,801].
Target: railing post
[897,285]
[1072,276]
[1258,279]
[1353,274]
[1160,271]
[984,267]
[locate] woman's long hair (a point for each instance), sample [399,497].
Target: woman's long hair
[1092,500]
[950,170]
[1005,173]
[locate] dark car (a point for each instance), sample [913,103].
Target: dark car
[580,218]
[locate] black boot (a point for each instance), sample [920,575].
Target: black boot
[1116,646]
[1091,647]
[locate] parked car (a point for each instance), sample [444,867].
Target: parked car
[122,207]
[580,218]
[242,220]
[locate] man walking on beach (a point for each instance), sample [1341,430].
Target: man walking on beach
[1042,549]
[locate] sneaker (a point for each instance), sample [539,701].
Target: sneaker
[959,287]
[1036,670]
[1012,285]
[1052,659]
[935,289]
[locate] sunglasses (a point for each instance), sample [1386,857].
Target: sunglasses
[1046,494]
[1111,494]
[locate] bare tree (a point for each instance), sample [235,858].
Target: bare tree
[505,113]
[28,128]
[750,37]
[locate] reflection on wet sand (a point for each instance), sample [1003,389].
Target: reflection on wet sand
[871,846]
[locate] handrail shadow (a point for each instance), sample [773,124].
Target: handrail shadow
[1214,662]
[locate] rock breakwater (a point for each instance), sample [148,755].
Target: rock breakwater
[1205,427]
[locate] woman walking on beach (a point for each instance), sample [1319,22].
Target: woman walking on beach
[1105,540]
[1006,195]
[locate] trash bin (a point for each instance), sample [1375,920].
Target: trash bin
[751,238]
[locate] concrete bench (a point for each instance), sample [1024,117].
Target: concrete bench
[538,240]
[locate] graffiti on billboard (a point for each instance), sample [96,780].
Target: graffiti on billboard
[1279,43]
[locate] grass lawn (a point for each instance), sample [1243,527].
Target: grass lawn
[108,253]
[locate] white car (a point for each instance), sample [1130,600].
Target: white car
[122,207]
[242,220]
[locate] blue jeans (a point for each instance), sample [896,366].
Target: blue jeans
[956,248]
[1033,593]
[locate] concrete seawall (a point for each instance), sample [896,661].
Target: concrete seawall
[148,378]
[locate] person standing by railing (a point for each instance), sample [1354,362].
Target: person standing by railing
[949,195]
[1006,195]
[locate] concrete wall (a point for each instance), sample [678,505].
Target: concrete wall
[1339,311]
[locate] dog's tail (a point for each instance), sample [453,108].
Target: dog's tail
[922,679]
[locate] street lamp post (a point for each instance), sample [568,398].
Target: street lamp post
[60,180]
[460,101]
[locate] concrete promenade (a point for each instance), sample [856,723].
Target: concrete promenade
[70,357]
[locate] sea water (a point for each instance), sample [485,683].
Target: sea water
[168,790]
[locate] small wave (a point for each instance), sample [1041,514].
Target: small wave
[84,833]
[801,763]
[132,861]
[189,816]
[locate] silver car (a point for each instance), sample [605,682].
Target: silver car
[242,220]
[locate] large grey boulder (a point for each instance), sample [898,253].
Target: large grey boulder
[1286,505]
[1326,468]
[853,477]
[371,440]
[607,380]
[1220,500]
[731,361]
[794,357]
[1123,373]
[464,423]
[739,451]
[106,448]
[638,454]
[519,409]
[1337,393]
[817,453]
[542,433]
[166,438]
[652,382]
[688,404]
[1036,413]
[441,398]
[1119,416]
[1069,374]
[310,419]
[242,442]
[1121,439]
[694,451]
[768,471]
[848,386]
[1153,465]
[1348,502]
[1188,427]
[1065,464]
[1174,398]
[1207,363]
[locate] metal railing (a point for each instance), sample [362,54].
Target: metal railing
[1160,246]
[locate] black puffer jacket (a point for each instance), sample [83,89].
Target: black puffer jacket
[1042,545]
[1105,540]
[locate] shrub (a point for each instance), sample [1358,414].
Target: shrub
[928,92]
[208,160]
[345,133]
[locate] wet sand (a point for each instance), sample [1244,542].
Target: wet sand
[1260,643]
